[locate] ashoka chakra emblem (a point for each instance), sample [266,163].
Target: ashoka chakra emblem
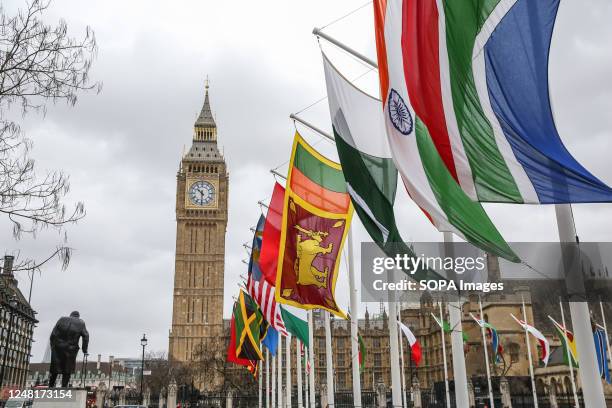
[399,113]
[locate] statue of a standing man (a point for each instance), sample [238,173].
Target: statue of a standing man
[65,347]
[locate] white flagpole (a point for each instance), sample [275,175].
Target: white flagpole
[462,398]
[279,372]
[306,380]
[401,344]
[273,364]
[288,372]
[396,385]
[329,361]
[354,324]
[448,401]
[486,353]
[533,386]
[260,363]
[569,359]
[298,371]
[267,378]
[311,376]
[605,327]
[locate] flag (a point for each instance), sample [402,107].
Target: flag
[415,347]
[601,350]
[362,353]
[544,344]
[305,359]
[316,216]
[444,325]
[567,342]
[465,69]
[268,259]
[426,178]
[248,320]
[295,326]
[251,365]
[259,288]
[496,346]
[271,340]
[371,176]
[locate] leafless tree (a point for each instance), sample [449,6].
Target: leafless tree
[39,64]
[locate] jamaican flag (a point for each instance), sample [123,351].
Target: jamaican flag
[250,328]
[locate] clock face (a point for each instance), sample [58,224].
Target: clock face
[201,193]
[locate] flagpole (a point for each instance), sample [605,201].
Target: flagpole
[486,353]
[569,357]
[401,344]
[306,388]
[267,378]
[273,381]
[533,386]
[311,385]
[329,361]
[394,351]
[462,398]
[354,323]
[298,371]
[279,373]
[288,371]
[448,402]
[605,327]
[260,363]
[581,319]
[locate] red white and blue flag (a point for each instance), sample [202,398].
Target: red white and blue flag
[259,288]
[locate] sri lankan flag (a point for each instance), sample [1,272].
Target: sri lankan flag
[249,328]
[316,216]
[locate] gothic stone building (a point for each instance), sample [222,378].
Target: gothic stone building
[201,221]
[17,321]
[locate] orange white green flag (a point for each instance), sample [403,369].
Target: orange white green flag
[316,216]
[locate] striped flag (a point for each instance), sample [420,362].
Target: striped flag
[544,344]
[444,325]
[415,346]
[601,350]
[568,342]
[305,359]
[426,178]
[496,346]
[362,353]
[259,288]
[466,68]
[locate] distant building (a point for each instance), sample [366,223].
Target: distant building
[17,321]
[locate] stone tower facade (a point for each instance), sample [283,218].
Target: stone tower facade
[201,221]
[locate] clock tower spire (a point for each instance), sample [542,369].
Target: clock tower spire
[201,217]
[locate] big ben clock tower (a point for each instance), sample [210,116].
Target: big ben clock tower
[201,218]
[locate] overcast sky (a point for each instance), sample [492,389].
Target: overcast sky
[122,147]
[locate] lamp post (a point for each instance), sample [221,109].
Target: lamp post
[143,343]
[12,306]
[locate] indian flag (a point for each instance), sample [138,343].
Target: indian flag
[473,75]
[568,342]
[424,173]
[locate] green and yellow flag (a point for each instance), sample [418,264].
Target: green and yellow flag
[316,217]
[249,328]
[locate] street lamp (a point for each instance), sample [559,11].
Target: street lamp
[12,307]
[143,343]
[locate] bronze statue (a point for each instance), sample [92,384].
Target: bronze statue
[65,347]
